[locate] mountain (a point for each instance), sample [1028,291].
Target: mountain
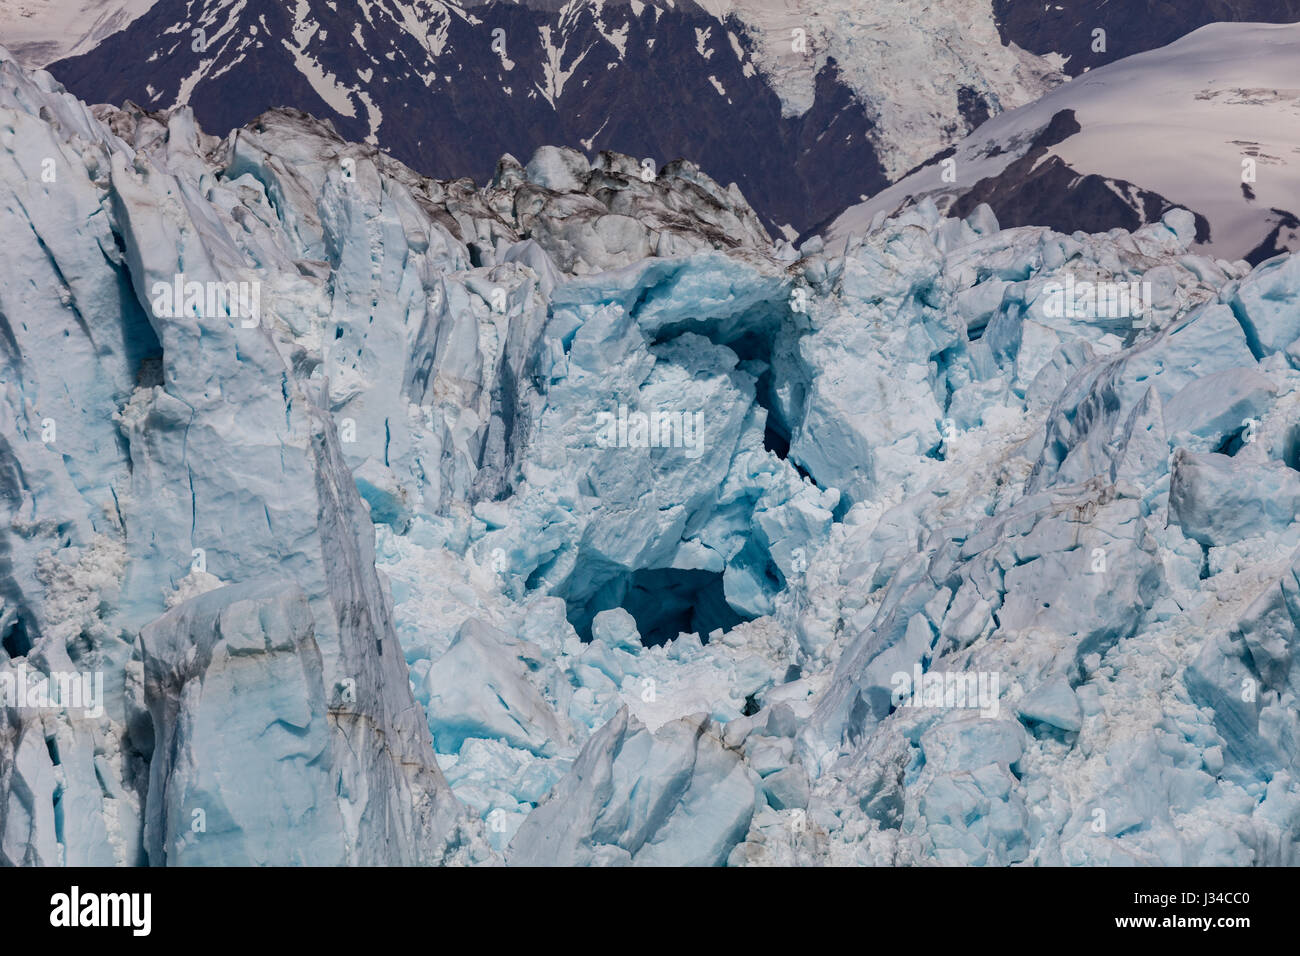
[567,519]
[449,89]
[808,106]
[1210,123]
[804,127]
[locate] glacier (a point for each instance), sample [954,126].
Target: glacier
[570,520]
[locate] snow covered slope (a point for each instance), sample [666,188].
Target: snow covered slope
[1210,122]
[39,32]
[570,520]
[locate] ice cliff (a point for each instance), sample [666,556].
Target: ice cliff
[569,520]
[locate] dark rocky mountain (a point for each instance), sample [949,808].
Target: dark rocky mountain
[450,94]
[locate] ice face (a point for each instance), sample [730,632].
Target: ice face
[570,521]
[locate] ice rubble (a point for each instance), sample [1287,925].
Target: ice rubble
[371,583]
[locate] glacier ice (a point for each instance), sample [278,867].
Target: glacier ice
[570,520]
[234,688]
